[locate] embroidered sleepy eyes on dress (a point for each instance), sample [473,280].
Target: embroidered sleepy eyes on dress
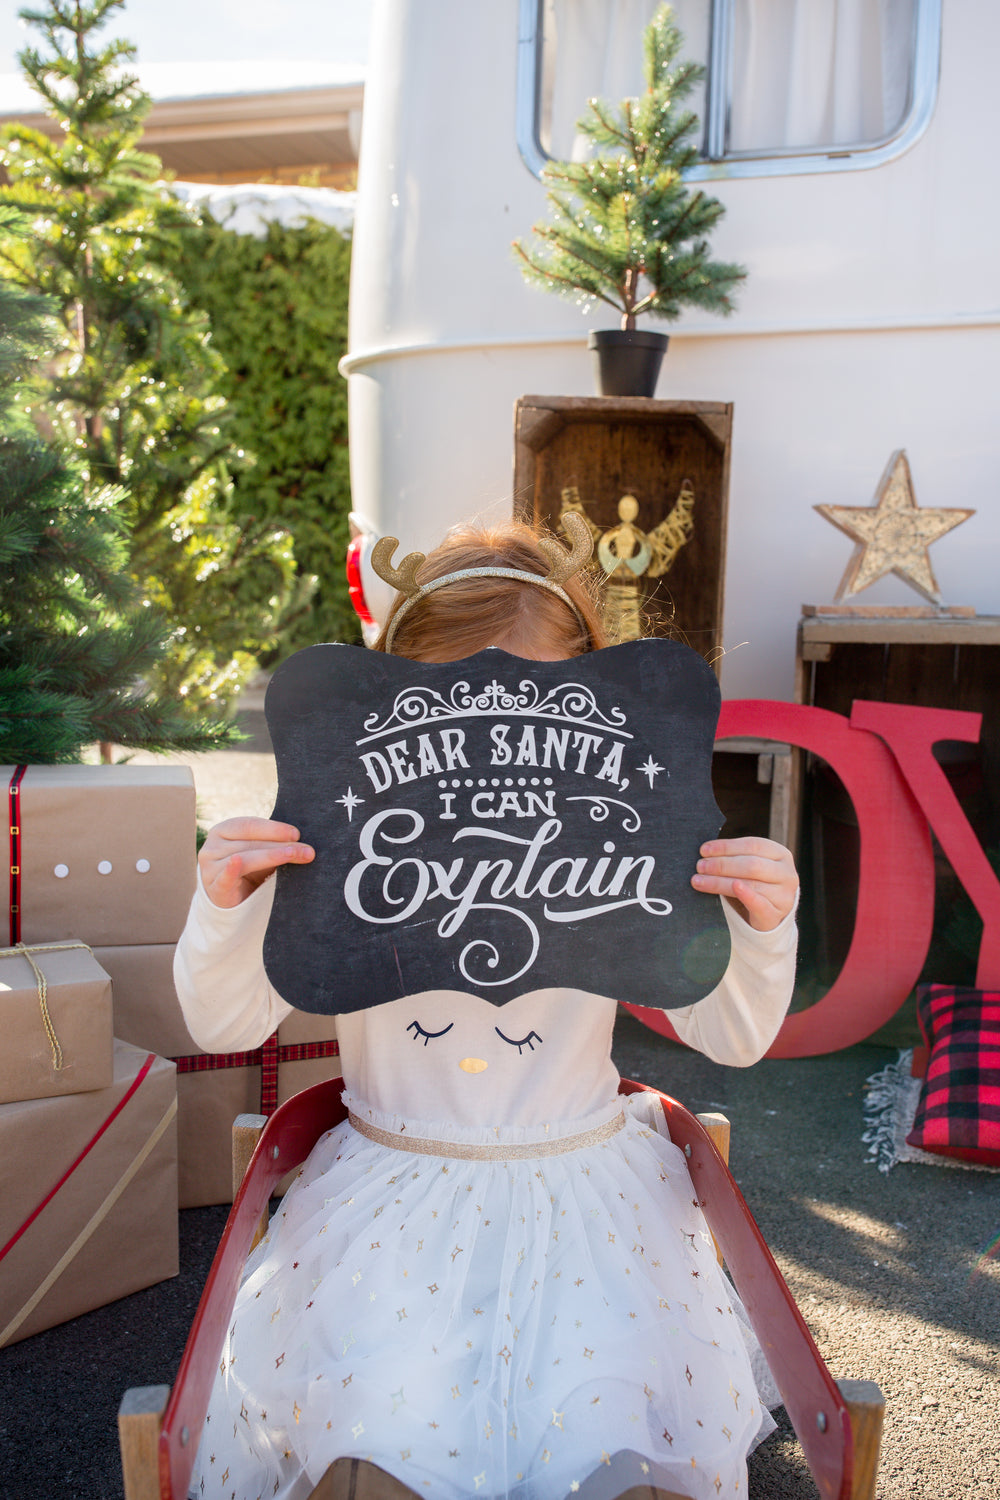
[526,1041]
[428,1036]
[474,1065]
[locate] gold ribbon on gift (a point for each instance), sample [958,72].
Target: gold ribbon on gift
[96,1218]
[22,950]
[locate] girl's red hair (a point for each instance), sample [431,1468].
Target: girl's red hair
[472,613]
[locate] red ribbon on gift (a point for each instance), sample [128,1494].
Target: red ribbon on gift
[132,1088]
[267,1058]
[14,821]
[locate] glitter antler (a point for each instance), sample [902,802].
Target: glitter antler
[565,564]
[403,578]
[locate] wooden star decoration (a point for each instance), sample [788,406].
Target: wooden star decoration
[893,534]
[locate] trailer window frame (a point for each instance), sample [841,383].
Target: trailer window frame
[718,161]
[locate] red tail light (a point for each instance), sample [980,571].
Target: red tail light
[355,586]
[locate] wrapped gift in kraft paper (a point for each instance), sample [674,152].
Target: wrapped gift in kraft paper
[55,1014]
[144,1001]
[88,1196]
[212,1088]
[103,852]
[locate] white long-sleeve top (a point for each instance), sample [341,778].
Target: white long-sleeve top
[230,1005]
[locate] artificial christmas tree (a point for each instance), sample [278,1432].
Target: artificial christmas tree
[625,229]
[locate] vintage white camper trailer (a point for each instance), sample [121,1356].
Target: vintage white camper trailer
[853,143]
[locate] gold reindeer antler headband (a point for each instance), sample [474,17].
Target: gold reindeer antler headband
[563,565]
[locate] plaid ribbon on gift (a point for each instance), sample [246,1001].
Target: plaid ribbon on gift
[267,1058]
[14,822]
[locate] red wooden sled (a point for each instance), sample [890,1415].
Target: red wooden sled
[838,1424]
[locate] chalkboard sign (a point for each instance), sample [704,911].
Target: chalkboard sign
[495,826]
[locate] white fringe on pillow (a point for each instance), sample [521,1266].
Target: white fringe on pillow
[890,1108]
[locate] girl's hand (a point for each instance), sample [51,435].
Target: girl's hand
[757,876]
[239,854]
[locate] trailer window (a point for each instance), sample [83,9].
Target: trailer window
[791,85]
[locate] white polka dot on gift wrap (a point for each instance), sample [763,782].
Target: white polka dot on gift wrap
[104,867]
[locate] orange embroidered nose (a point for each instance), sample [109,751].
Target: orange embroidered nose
[473,1065]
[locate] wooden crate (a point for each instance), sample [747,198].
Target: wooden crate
[921,657]
[609,447]
[907,655]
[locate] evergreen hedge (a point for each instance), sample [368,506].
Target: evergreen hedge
[278,312]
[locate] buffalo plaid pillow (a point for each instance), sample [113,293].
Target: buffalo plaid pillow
[958,1113]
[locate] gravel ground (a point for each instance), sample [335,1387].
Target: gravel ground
[889,1270]
[883,1266]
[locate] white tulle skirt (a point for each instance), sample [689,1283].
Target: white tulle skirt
[535,1327]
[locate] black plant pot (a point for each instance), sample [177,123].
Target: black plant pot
[626,360]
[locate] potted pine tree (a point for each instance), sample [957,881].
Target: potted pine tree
[624,228]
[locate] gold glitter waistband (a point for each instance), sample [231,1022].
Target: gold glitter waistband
[475,1151]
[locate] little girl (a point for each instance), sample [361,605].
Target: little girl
[494,1279]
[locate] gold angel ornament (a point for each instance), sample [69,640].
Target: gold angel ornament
[629,555]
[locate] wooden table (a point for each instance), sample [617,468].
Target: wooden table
[913,642]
